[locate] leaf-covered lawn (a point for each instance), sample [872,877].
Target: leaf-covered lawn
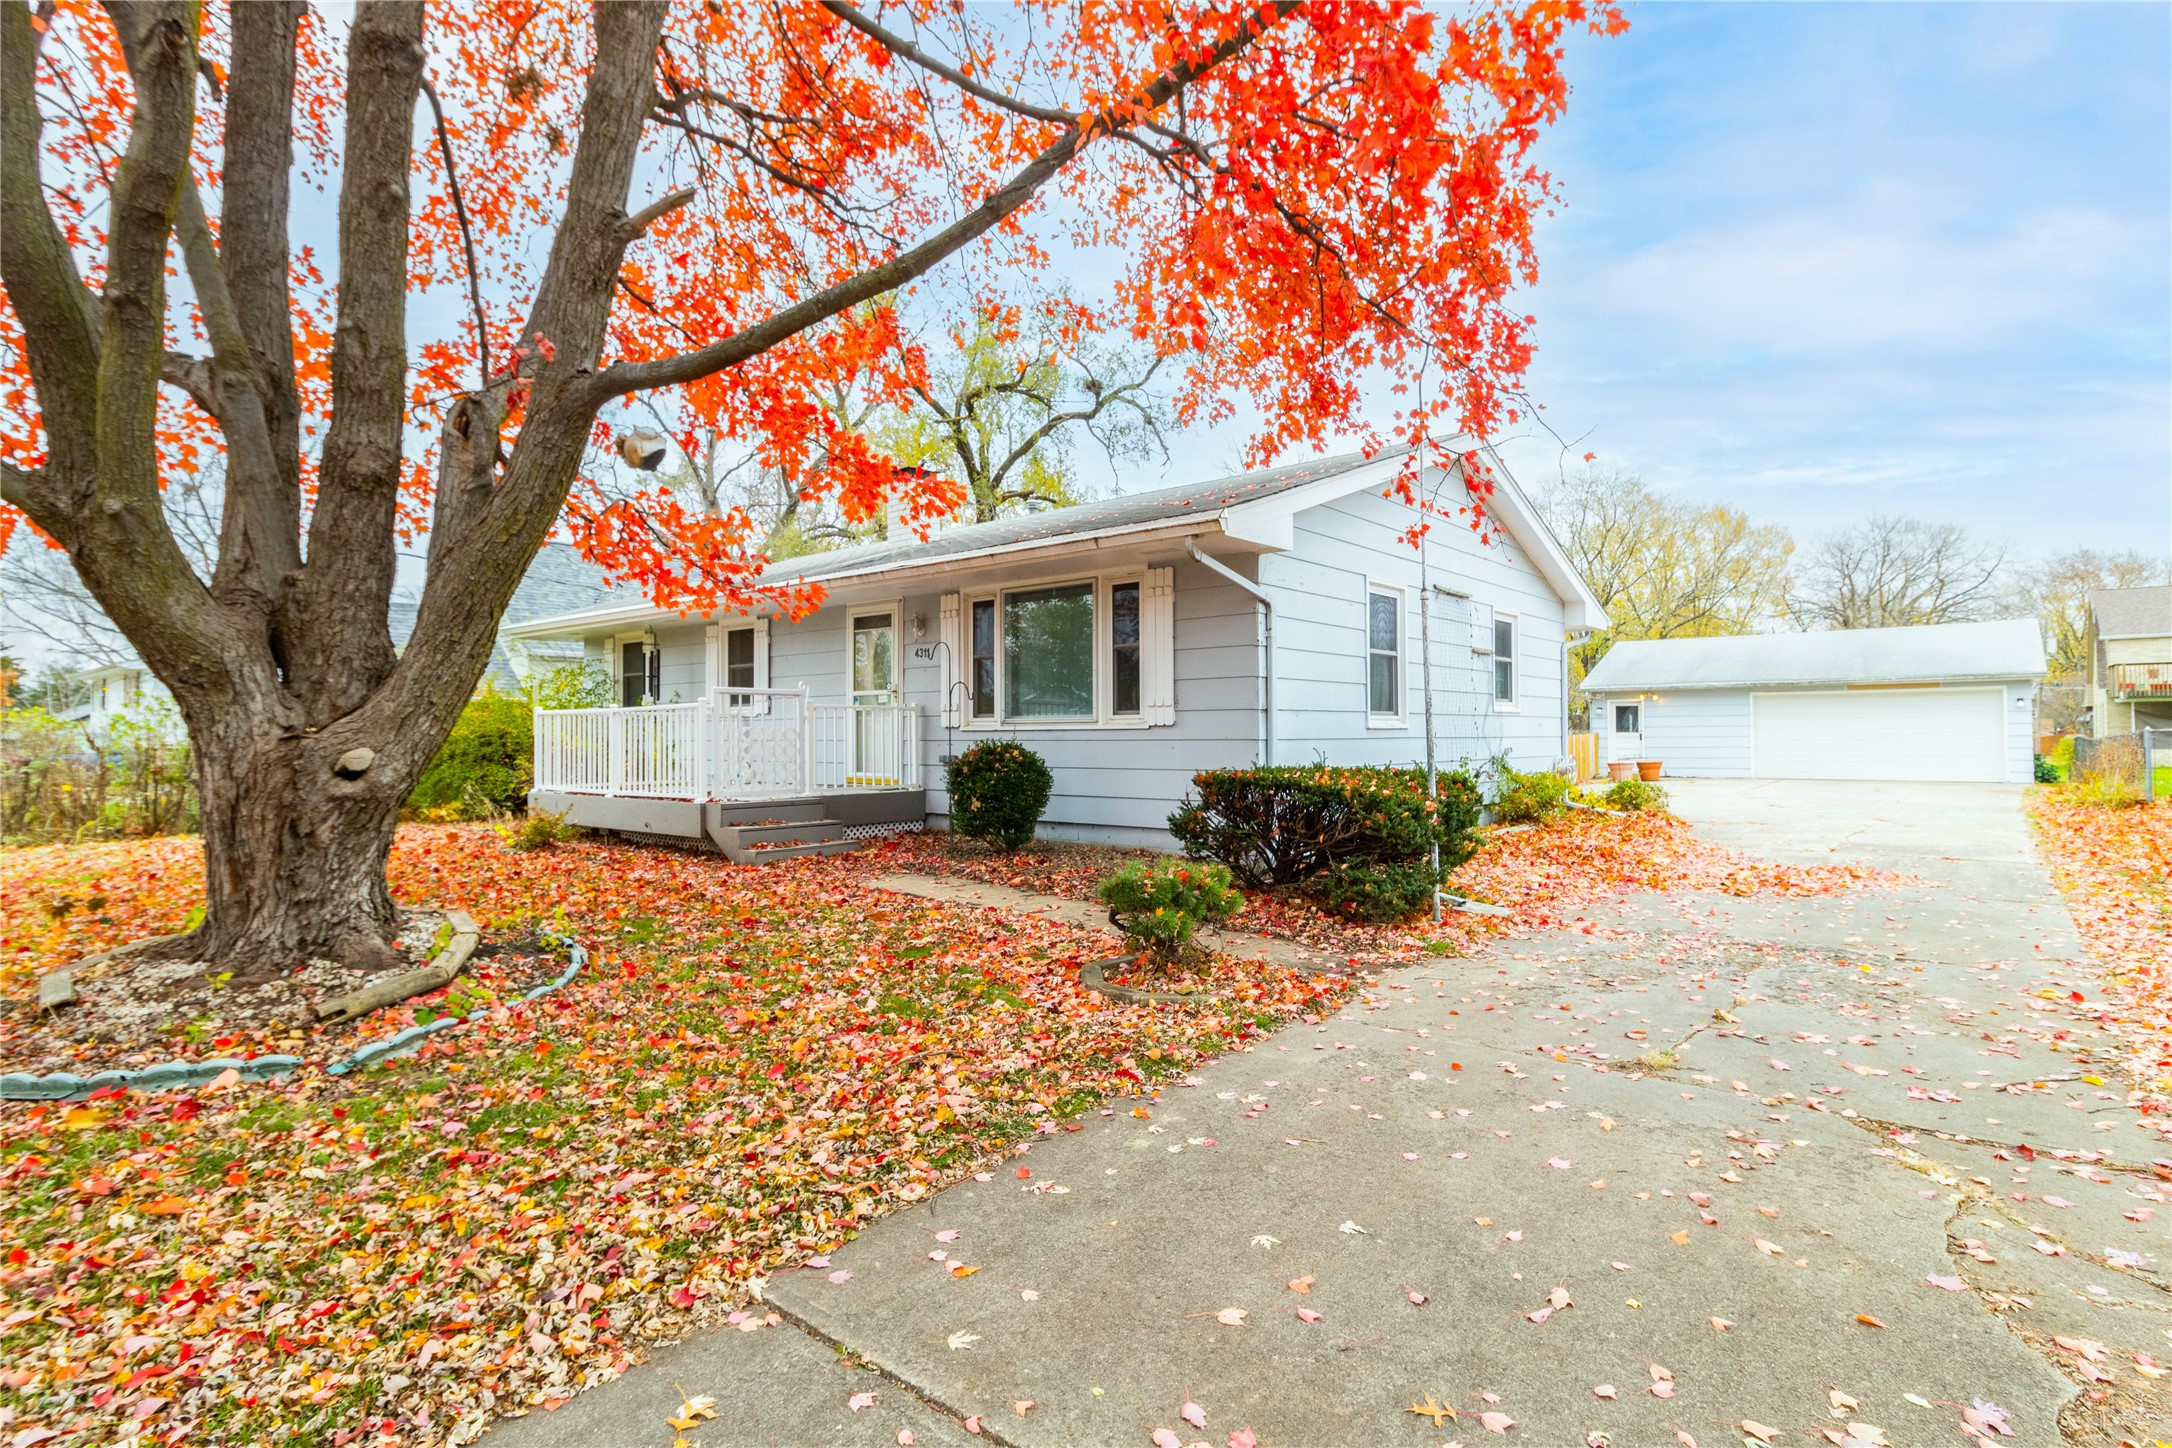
[2115,867]
[756,1063]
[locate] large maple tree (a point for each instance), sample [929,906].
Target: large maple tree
[533,211]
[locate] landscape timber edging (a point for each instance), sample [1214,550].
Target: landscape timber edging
[178,1075]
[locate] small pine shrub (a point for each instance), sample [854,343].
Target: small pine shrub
[1521,798]
[485,766]
[1161,907]
[2046,771]
[998,789]
[1377,894]
[1633,795]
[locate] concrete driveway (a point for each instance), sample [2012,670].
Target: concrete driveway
[1860,1161]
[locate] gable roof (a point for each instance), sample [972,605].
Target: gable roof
[1132,512]
[1926,653]
[2132,613]
[1254,508]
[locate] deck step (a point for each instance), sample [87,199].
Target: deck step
[791,852]
[791,832]
[752,812]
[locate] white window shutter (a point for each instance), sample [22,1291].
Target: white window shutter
[712,660]
[761,653]
[952,636]
[1157,647]
[1481,627]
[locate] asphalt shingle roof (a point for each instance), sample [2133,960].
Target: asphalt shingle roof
[2132,612]
[2005,649]
[1110,515]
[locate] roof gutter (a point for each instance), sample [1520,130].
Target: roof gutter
[1267,640]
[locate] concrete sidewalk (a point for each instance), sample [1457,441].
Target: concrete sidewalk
[1465,1189]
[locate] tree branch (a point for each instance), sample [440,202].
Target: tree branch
[348,582]
[253,236]
[648,215]
[992,211]
[467,235]
[904,49]
[59,316]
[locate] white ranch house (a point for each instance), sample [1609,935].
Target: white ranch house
[1271,617]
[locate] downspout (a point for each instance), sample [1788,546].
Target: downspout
[1267,638]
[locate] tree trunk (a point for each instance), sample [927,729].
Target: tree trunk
[297,827]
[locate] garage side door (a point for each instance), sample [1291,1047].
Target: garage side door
[1942,734]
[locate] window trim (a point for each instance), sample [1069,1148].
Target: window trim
[1400,719]
[1104,669]
[1513,704]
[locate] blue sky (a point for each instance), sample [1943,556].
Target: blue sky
[1824,260]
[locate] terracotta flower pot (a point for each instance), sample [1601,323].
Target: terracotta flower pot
[1647,769]
[1620,769]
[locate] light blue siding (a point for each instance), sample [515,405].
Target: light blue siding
[1698,735]
[1320,589]
[1120,784]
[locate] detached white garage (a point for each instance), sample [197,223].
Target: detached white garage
[1939,702]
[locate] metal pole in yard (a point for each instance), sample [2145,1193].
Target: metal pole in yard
[2149,764]
[1425,670]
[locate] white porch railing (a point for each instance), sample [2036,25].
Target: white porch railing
[736,744]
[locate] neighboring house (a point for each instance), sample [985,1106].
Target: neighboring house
[559,581]
[1936,702]
[1131,643]
[111,689]
[2130,660]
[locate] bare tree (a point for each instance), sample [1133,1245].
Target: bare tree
[1664,568]
[1891,570]
[46,596]
[1004,418]
[2056,591]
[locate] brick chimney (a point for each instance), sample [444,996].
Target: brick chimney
[905,478]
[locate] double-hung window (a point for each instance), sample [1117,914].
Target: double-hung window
[1504,661]
[983,677]
[1384,654]
[1124,649]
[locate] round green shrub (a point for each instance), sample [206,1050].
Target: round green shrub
[486,763]
[998,789]
[1520,798]
[1289,823]
[1160,907]
[1377,894]
[1635,794]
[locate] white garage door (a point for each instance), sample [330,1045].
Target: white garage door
[1880,734]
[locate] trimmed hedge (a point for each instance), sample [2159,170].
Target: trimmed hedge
[1289,824]
[1377,894]
[487,760]
[998,789]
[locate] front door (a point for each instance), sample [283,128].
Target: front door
[874,692]
[1627,744]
